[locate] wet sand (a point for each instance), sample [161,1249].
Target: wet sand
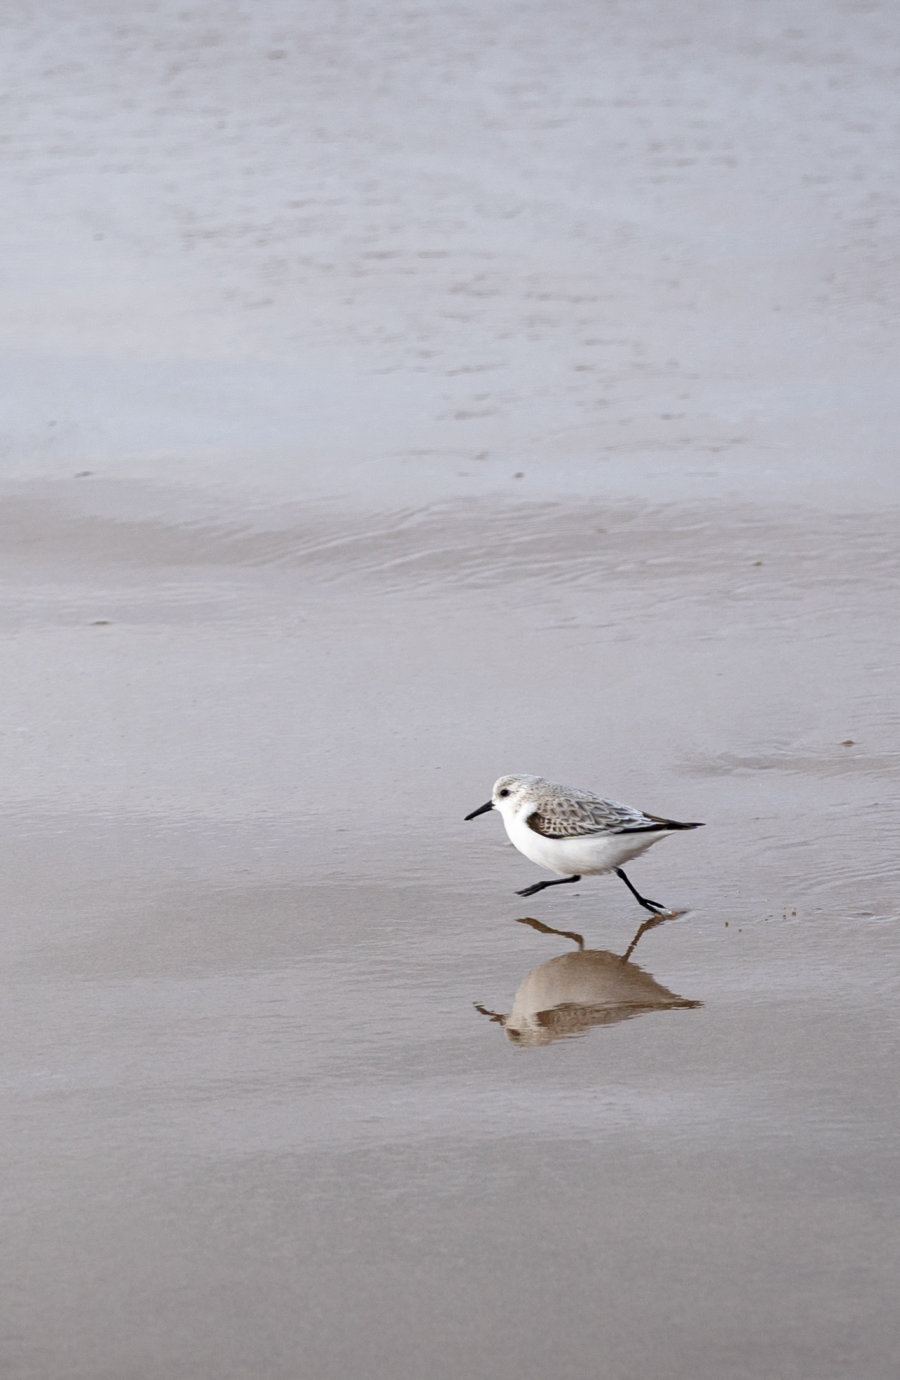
[399,398]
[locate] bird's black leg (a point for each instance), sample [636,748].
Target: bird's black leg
[653,906]
[539,886]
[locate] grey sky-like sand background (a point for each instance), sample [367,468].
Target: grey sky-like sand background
[397,396]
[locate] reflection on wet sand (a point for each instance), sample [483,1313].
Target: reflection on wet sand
[569,994]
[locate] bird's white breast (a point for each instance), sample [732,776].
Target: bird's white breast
[587,855]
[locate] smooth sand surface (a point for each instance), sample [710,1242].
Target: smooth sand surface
[399,396]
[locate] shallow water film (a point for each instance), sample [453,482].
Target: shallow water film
[398,397]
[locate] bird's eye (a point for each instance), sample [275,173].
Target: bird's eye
[503,792]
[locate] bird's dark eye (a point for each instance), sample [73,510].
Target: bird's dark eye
[503,792]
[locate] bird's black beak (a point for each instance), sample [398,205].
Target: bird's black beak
[481,809]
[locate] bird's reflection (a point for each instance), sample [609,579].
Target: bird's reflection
[569,994]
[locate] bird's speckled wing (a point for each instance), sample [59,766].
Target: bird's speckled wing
[572,818]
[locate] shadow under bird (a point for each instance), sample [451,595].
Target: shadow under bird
[569,994]
[575,833]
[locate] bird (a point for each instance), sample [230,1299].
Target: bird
[574,832]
